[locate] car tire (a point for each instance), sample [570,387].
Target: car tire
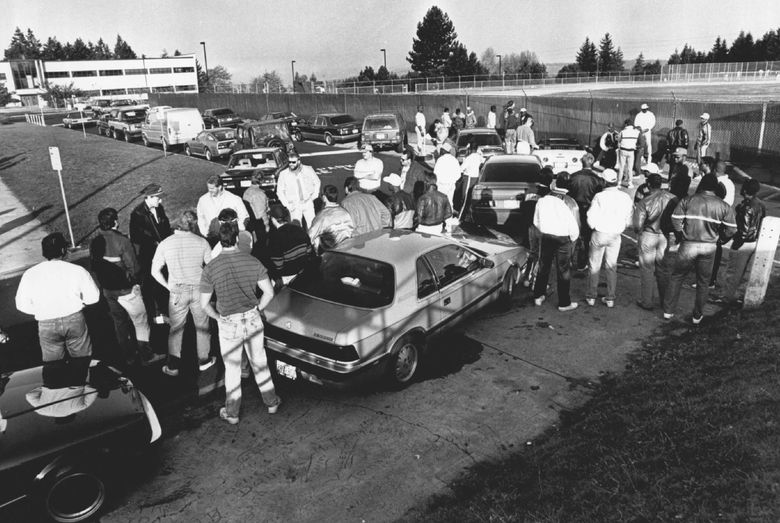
[69,125]
[208,155]
[329,139]
[404,361]
[297,136]
[73,494]
[187,150]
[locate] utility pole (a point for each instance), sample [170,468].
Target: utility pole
[205,62]
[384,55]
[293,76]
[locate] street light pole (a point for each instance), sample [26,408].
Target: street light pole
[500,69]
[146,78]
[384,57]
[205,62]
[293,75]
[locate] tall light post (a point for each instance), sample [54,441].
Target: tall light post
[205,62]
[293,75]
[146,78]
[384,57]
[500,69]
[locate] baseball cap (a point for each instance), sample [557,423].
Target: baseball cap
[651,168]
[393,179]
[153,189]
[705,116]
[609,175]
[644,106]
[681,151]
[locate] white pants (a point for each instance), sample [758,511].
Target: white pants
[649,145]
[306,212]
[625,162]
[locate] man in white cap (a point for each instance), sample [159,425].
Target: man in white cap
[644,190]
[523,117]
[447,171]
[368,170]
[645,119]
[400,204]
[420,127]
[704,137]
[609,214]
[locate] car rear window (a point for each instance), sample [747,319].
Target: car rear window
[348,280]
[136,115]
[224,135]
[374,124]
[222,112]
[479,139]
[344,118]
[502,172]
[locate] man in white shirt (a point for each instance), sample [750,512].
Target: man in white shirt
[446,120]
[215,200]
[609,214]
[55,292]
[491,118]
[368,170]
[297,188]
[470,169]
[627,143]
[646,120]
[447,171]
[419,127]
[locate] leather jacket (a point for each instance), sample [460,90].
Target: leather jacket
[648,211]
[677,137]
[584,185]
[705,218]
[749,213]
[433,208]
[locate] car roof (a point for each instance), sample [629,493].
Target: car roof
[514,158]
[332,114]
[215,129]
[257,150]
[477,130]
[382,115]
[393,246]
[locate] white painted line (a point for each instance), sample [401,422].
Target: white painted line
[328,153]
[624,235]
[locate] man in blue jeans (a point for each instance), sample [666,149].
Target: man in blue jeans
[55,292]
[699,221]
[234,277]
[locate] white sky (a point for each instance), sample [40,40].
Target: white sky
[337,38]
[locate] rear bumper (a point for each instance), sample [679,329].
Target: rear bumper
[344,138]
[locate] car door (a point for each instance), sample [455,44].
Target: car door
[196,145]
[307,129]
[428,313]
[457,270]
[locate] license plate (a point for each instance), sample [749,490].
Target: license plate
[288,371]
[509,204]
[381,136]
[560,165]
[246,183]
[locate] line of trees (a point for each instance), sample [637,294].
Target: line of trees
[743,49]
[28,46]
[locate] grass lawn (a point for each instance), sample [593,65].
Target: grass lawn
[97,173]
[690,432]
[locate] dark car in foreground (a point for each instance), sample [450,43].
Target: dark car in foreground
[330,128]
[64,430]
[384,130]
[220,117]
[263,163]
[503,184]
[212,143]
[487,140]
[291,119]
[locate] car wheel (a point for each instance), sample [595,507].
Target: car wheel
[208,154]
[187,150]
[145,139]
[74,495]
[69,125]
[328,139]
[404,361]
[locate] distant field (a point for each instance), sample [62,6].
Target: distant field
[747,92]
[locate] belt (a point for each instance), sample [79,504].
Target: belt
[626,149]
[248,314]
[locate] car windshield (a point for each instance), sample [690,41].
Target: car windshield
[503,172]
[224,135]
[343,118]
[348,280]
[252,160]
[479,139]
[373,124]
[222,112]
[561,144]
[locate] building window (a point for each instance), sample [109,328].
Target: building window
[135,71]
[180,88]
[2,77]
[91,93]
[137,90]
[57,74]
[183,69]
[107,92]
[160,70]
[111,72]
[81,74]
[164,89]
[22,71]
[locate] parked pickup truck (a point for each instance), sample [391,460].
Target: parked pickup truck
[77,120]
[122,122]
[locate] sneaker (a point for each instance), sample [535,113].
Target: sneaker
[590,301]
[696,320]
[668,316]
[206,365]
[152,359]
[608,303]
[570,307]
[273,408]
[233,420]
[538,301]
[169,371]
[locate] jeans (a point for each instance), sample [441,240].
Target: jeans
[68,333]
[604,248]
[625,165]
[186,298]
[651,252]
[691,255]
[583,242]
[123,325]
[738,265]
[239,333]
[561,248]
[664,273]
[510,140]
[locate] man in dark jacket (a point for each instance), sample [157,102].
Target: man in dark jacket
[679,177]
[699,221]
[289,247]
[148,227]
[652,240]
[750,213]
[676,137]
[400,204]
[583,186]
[433,208]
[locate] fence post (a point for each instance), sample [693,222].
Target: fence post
[674,107]
[763,127]
[590,129]
[458,82]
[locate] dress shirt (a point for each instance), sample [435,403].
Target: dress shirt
[54,289]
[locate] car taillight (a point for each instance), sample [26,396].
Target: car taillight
[477,189]
[574,160]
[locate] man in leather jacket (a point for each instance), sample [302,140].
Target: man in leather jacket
[433,208]
[400,204]
[652,240]
[677,137]
[699,221]
[750,213]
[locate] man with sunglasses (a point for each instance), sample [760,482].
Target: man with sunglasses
[297,188]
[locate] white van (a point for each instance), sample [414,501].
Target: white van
[172,126]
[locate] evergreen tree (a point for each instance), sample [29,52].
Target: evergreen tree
[639,65]
[203,80]
[5,96]
[610,59]
[382,73]
[719,52]
[122,50]
[52,49]
[743,48]
[80,51]
[457,61]
[435,39]
[177,53]
[23,46]
[33,45]
[675,58]
[474,66]
[568,70]
[367,74]
[653,68]
[587,58]
[101,51]
[768,46]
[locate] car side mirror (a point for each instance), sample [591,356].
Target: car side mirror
[486,263]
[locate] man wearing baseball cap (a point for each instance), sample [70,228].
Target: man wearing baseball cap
[679,177]
[645,119]
[704,137]
[400,204]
